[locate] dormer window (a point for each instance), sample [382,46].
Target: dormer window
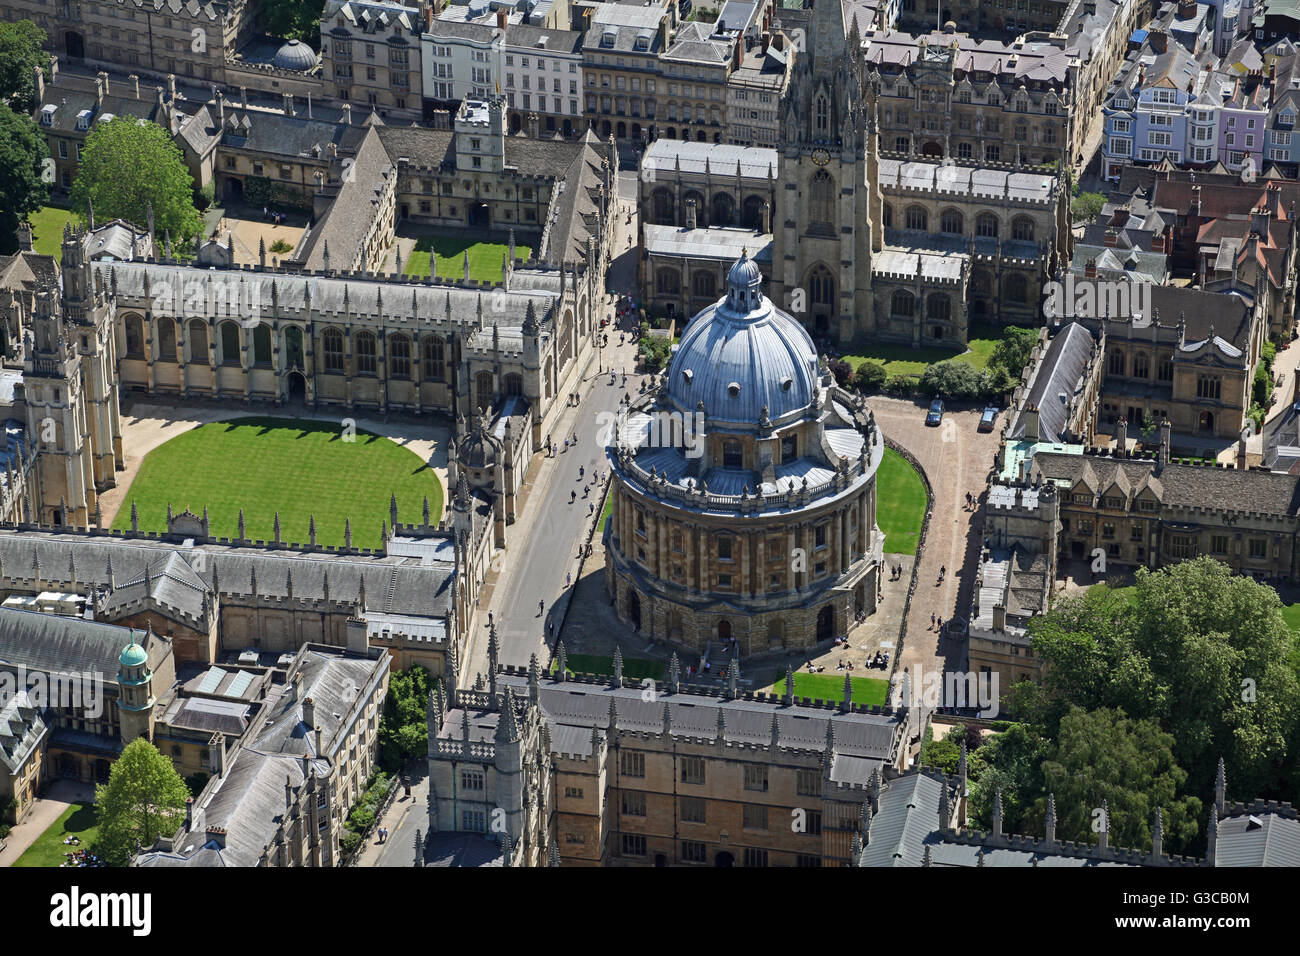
[83,119]
[688,375]
[787,383]
[607,38]
[734,389]
[47,114]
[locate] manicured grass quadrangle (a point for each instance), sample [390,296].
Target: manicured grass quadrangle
[900,503]
[298,468]
[484,258]
[905,360]
[48,850]
[870,691]
[47,230]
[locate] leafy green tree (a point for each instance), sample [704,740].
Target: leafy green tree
[842,371]
[403,726]
[20,56]
[1201,651]
[1085,207]
[955,380]
[1103,755]
[654,352]
[292,19]
[870,376]
[143,800]
[1011,354]
[1011,762]
[22,189]
[125,167]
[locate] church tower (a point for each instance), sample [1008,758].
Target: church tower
[824,227]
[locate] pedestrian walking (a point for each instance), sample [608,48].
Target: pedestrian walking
[591,509]
[489,618]
[568,579]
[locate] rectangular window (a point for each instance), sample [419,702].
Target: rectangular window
[755,816]
[693,809]
[755,857]
[633,844]
[632,803]
[631,763]
[809,783]
[756,777]
[694,852]
[692,770]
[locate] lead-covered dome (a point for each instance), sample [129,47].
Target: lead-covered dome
[295,55]
[742,354]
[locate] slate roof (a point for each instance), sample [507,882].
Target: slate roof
[1060,371]
[55,644]
[267,131]
[1258,835]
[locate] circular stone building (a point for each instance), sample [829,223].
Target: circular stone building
[744,492]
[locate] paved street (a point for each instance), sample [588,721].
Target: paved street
[543,544]
[956,458]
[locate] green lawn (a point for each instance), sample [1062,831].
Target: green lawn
[609,509]
[264,465]
[900,503]
[1291,614]
[634,668]
[47,230]
[77,820]
[904,360]
[484,258]
[872,691]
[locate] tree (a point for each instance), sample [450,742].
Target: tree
[1203,652]
[654,352]
[842,371]
[1103,755]
[955,380]
[22,189]
[292,19]
[870,376]
[1085,207]
[20,56]
[403,727]
[1011,354]
[126,167]
[143,800]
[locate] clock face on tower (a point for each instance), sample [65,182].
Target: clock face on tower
[821,156]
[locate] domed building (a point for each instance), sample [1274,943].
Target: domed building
[744,489]
[296,56]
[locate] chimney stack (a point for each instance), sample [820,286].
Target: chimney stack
[309,712]
[502,20]
[1159,40]
[288,105]
[135,84]
[346,119]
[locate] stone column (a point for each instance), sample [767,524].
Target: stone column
[792,582]
[760,575]
[745,565]
[704,542]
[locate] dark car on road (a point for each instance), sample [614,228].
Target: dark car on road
[989,418]
[935,415]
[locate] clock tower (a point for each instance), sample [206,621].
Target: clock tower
[827,217]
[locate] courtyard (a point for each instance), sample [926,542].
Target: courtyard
[484,256]
[47,230]
[296,468]
[905,360]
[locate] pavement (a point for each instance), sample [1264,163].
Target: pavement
[531,570]
[43,814]
[404,816]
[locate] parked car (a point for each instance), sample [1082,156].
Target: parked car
[935,415]
[989,418]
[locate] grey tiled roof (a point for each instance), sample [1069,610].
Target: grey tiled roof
[1060,372]
[64,645]
[1260,835]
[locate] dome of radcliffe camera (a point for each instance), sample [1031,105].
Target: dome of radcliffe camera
[743,354]
[295,55]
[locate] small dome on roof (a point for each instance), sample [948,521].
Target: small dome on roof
[133,656]
[295,55]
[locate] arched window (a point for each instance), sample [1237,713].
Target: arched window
[822,195]
[724,210]
[433,357]
[902,304]
[332,345]
[732,455]
[823,114]
[887,216]
[1022,227]
[917,219]
[986,224]
[938,306]
[230,347]
[483,391]
[981,282]
[1017,288]
[134,337]
[663,207]
[514,384]
[365,353]
[952,222]
[262,345]
[399,356]
[704,283]
[198,340]
[1115,362]
[1141,367]
[166,340]
[668,281]
[821,287]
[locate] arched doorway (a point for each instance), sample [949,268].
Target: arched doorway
[75,45]
[479,214]
[634,610]
[297,388]
[1207,421]
[724,859]
[235,190]
[825,623]
[821,290]
[932,149]
[516,124]
[724,630]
